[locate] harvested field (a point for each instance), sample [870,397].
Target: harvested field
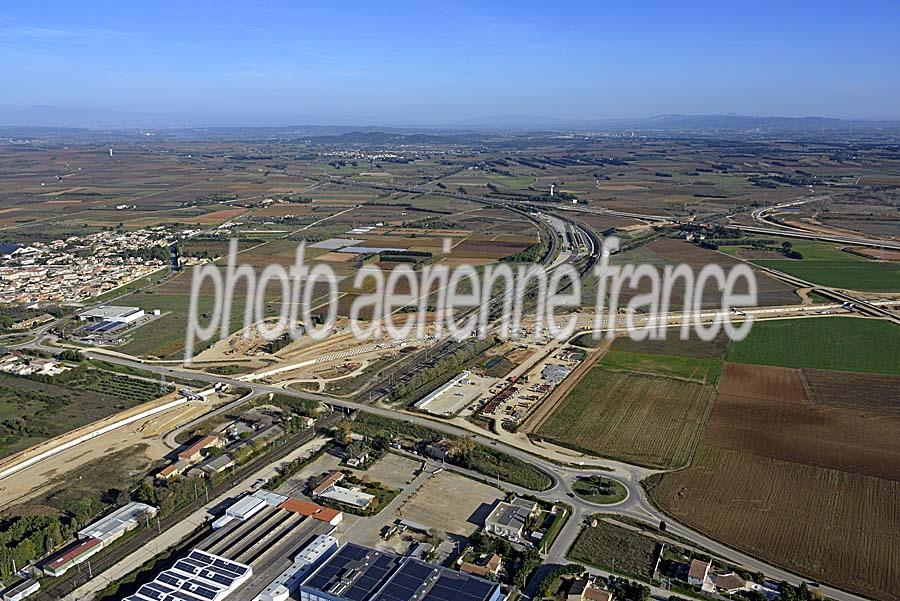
[660,253]
[220,216]
[826,524]
[869,392]
[487,249]
[641,419]
[873,253]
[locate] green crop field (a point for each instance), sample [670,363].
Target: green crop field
[648,420]
[838,343]
[686,368]
[827,265]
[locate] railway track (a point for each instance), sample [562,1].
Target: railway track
[59,587]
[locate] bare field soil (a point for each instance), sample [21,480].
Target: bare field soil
[826,524]
[874,253]
[661,253]
[647,420]
[852,390]
[766,411]
[762,382]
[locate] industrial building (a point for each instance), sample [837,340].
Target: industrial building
[112,314]
[24,589]
[96,536]
[118,522]
[71,556]
[247,507]
[329,489]
[310,558]
[459,380]
[357,573]
[200,576]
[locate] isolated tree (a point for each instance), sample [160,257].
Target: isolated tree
[344,432]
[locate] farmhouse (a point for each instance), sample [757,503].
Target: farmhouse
[730,583]
[194,453]
[485,566]
[583,589]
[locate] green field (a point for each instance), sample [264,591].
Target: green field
[827,265]
[685,368]
[647,420]
[510,181]
[837,343]
[34,411]
[615,549]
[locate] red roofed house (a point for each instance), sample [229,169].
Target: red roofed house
[194,453]
[316,512]
[698,572]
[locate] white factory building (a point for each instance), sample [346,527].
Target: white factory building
[112,314]
[459,380]
[120,521]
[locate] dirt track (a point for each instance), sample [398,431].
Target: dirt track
[39,477]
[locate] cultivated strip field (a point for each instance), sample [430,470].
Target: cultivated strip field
[766,411]
[811,485]
[826,524]
[642,419]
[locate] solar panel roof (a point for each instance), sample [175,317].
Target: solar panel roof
[356,573]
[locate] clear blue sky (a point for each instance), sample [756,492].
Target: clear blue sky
[444,62]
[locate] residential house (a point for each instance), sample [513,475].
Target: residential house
[730,583]
[698,572]
[486,566]
[510,519]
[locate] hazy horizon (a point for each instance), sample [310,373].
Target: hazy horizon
[440,65]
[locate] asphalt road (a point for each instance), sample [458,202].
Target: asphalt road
[636,505]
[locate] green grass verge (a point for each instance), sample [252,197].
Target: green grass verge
[593,490]
[687,368]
